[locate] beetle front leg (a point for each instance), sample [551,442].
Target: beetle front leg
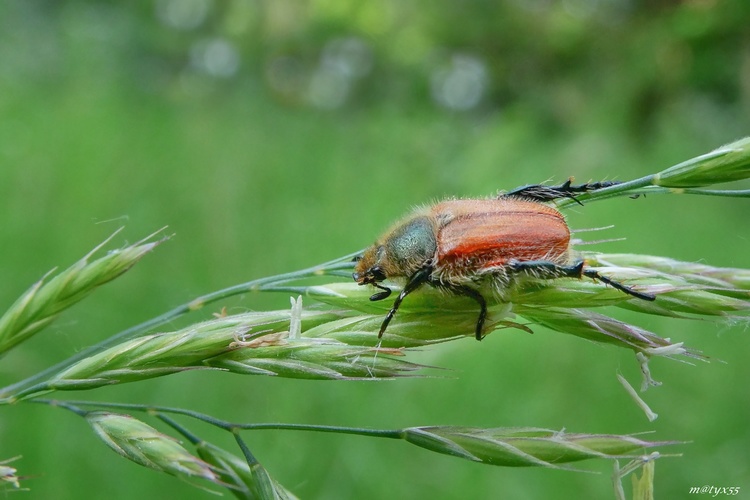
[575,270]
[415,281]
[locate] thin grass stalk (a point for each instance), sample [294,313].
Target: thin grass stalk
[728,163]
[506,447]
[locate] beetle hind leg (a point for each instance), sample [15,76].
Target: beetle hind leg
[590,273]
[575,270]
[539,192]
[547,269]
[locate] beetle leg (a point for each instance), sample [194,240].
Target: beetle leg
[548,268]
[416,280]
[575,270]
[539,192]
[380,295]
[474,294]
[590,273]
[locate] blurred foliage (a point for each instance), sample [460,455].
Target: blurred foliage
[272,135]
[555,59]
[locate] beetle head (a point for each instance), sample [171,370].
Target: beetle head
[369,272]
[405,249]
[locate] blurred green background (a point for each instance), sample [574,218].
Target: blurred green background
[274,135]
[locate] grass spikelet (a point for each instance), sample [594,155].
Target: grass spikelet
[243,480]
[148,447]
[525,447]
[250,343]
[725,164]
[315,359]
[731,281]
[603,329]
[43,302]
[164,353]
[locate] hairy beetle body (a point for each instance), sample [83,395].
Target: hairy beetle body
[480,237]
[459,244]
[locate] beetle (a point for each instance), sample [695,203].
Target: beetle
[459,244]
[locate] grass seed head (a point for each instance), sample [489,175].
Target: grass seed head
[725,164]
[43,302]
[146,446]
[525,447]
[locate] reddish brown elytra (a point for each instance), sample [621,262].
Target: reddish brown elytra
[458,245]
